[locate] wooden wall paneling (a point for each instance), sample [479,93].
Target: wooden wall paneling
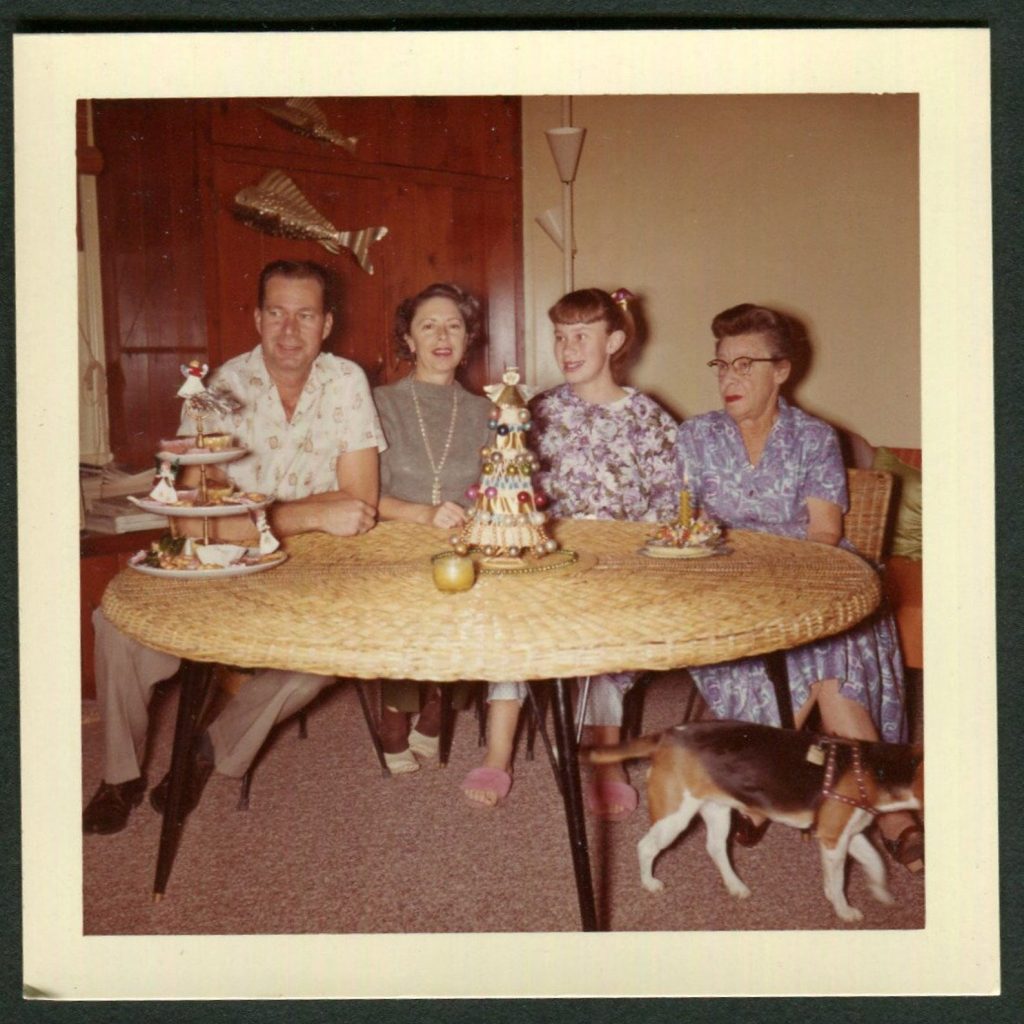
[475,135]
[462,134]
[243,122]
[242,252]
[150,406]
[502,254]
[151,260]
[180,272]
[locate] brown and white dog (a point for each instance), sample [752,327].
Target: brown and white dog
[797,778]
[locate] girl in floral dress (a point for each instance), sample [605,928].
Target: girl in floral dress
[606,452]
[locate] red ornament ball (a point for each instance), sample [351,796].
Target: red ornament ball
[541,500]
[491,492]
[523,496]
[473,492]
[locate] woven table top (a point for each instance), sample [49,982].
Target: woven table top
[367,606]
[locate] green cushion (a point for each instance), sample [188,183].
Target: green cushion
[906,534]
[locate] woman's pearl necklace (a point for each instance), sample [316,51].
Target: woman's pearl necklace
[435,493]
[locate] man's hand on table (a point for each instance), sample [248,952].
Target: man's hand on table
[332,512]
[345,517]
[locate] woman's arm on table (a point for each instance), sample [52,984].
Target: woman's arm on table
[825,522]
[445,516]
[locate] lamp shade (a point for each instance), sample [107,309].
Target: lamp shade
[566,144]
[551,222]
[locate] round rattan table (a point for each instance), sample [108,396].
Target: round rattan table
[367,607]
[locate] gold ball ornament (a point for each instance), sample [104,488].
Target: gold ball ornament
[453,572]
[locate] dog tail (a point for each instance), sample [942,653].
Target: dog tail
[642,746]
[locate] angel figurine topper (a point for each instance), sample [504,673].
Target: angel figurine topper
[193,373]
[201,401]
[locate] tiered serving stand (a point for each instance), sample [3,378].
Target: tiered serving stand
[191,451]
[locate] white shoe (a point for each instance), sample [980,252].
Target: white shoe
[423,746]
[401,763]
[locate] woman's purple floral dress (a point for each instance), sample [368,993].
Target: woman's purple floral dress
[801,460]
[614,461]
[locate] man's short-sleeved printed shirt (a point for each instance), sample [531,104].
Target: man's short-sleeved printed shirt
[335,414]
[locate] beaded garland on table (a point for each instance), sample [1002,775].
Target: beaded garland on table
[506,520]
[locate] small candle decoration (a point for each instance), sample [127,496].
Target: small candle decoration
[453,572]
[685,508]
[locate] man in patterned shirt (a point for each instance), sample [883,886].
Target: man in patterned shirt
[308,421]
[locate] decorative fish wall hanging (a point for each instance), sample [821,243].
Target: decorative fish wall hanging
[277,207]
[305,117]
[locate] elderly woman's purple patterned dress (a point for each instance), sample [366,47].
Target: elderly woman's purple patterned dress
[614,461]
[801,460]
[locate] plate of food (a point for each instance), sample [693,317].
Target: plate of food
[200,456]
[700,538]
[188,452]
[220,501]
[656,549]
[174,558]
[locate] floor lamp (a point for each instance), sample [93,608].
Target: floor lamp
[566,144]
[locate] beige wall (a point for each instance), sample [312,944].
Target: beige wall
[695,203]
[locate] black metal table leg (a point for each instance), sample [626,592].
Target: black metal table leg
[572,794]
[371,725]
[539,695]
[196,679]
[447,729]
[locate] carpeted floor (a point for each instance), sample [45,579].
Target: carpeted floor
[329,846]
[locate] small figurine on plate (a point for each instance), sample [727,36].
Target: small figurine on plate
[268,542]
[164,491]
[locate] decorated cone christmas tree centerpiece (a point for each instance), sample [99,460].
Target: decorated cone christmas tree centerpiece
[506,520]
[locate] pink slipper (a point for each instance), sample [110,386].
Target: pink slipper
[599,796]
[491,780]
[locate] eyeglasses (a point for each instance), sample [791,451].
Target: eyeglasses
[741,364]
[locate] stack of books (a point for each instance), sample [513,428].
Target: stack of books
[119,515]
[106,508]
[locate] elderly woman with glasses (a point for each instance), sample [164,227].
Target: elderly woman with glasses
[762,464]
